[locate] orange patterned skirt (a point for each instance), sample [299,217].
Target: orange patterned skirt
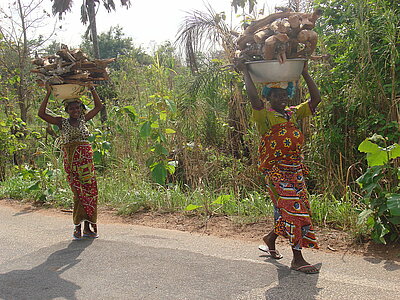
[280,160]
[78,164]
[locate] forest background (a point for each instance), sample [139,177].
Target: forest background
[177,136]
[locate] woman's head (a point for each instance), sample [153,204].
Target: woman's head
[278,94]
[278,98]
[74,107]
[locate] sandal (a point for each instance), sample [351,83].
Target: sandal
[272,253]
[77,235]
[90,234]
[307,269]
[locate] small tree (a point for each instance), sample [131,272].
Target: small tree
[18,44]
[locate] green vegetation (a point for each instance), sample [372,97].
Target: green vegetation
[180,138]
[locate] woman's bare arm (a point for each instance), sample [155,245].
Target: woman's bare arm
[312,88]
[97,105]
[251,89]
[42,110]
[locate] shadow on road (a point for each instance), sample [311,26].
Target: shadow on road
[293,284]
[44,281]
[388,265]
[25,211]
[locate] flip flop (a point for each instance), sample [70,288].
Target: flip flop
[303,269]
[75,238]
[91,235]
[272,253]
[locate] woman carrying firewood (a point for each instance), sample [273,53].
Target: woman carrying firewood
[78,159]
[280,160]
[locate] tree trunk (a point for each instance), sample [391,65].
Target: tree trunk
[96,51]
[22,57]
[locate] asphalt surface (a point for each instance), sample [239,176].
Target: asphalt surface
[39,260]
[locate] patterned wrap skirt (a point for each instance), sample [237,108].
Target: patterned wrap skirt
[78,164]
[280,160]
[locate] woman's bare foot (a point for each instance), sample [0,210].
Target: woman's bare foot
[77,232]
[269,246]
[301,265]
[87,232]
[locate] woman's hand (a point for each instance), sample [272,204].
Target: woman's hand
[305,68]
[48,87]
[239,64]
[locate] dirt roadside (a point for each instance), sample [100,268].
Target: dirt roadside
[330,240]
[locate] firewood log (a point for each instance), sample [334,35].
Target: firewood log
[280,26]
[294,21]
[269,47]
[262,35]
[265,21]
[243,40]
[309,38]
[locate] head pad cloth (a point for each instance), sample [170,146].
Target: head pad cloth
[290,87]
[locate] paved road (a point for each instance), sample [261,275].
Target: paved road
[38,260]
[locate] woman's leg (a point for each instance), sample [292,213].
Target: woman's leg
[77,232]
[270,240]
[87,232]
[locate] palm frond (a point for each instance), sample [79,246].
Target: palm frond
[204,29]
[110,4]
[60,7]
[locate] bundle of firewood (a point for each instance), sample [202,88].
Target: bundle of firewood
[279,36]
[70,66]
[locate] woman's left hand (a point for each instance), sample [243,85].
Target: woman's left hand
[305,68]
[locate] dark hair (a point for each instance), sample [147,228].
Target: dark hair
[83,106]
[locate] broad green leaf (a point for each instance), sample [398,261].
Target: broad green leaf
[130,108]
[363,216]
[370,175]
[377,158]
[169,130]
[155,125]
[170,168]
[97,156]
[131,112]
[192,207]
[368,147]
[34,186]
[222,199]
[159,173]
[160,150]
[394,220]
[162,138]
[163,116]
[150,162]
[394,151]
[106,145]
[171,105]
[393,204]
[379,233]
[145,130]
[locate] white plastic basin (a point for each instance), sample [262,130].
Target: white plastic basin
[273,71]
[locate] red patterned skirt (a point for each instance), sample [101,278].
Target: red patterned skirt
[280,160]
[78,164]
